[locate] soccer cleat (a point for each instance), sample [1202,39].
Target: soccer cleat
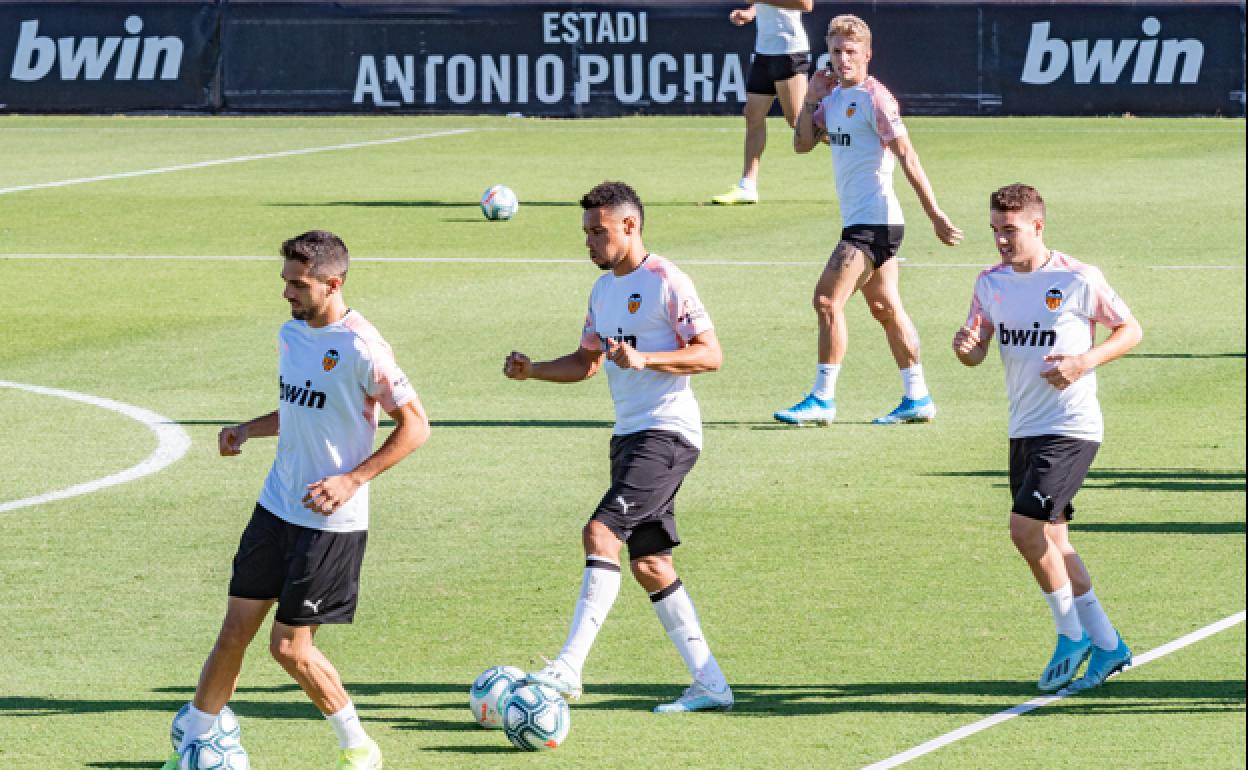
[172,762]
[699,697]
[1068,656]
[366,757]
[736,197]
[809,411]
[909,410]
[558,676]
[1102,665]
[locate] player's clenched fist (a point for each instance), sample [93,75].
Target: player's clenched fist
[517,366]
[965,341]
[230,440]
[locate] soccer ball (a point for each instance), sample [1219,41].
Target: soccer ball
[489,691]
[218,752]
[499,202]
[226,724]
[536,717]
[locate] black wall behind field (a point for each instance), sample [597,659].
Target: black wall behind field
[568,59]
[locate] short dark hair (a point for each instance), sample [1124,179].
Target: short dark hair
[1016,197]
[320,250]
[614,195]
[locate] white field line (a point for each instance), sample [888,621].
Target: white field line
[228,161]
[1032,705]
[531,261]
[171,443]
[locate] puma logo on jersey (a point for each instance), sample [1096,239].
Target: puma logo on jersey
[1031,338]
[305,396]
[315,606]
[1044,501]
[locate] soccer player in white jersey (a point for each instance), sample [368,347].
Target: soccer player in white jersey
[777,71]
[860,120]
[304,545]
[1043,307]
[648,328]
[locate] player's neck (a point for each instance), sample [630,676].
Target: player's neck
[1033,262]
[855,82]
[332,314]
[636,256]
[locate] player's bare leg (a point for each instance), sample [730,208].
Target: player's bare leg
[790,92]
[755,112]
[883,298]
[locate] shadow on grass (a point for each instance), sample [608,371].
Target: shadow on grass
[426,203]
[1162,479]
[124,765]
[1184,355]
[574,424]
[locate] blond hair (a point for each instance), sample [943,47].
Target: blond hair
[851,27]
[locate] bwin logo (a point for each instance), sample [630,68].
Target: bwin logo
[88,58]
[1032,338]
[1047,57]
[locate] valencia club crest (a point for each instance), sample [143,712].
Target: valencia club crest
[1053,299]
[329,360]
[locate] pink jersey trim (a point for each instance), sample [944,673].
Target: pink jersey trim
[887,112]
[386,372]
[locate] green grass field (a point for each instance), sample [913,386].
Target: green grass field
[857,583]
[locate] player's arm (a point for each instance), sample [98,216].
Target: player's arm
[574,367]
[807,133]
[805,6]
[969,347]
[702,354]
[1065,369]
[230,439]
[742,16]
[411,429]
[908,157]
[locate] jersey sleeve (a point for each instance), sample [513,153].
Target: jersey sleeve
[887,118]
[978,318]
[383,380]
[589,332]
[1100,303]
[688,316]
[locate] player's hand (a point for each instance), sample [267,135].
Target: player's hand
[230,440]
[625,355]
[518,366]
[946,230]
[329,494]
[965,341]
[1065,369]
[742,16]
[821,84]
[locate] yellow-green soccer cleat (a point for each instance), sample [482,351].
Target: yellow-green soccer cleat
[737,196]
[366,757]
[172,762]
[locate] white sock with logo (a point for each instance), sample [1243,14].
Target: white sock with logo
[1095,621]
[825,381]
[680,621]
[197,723]
[599,586]
[747,184]
[1062,604]
[913,384]
[347,727]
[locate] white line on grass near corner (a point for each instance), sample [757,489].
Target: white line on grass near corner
[1032,705]
[237,159]
[171,443]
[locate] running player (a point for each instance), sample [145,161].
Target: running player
[778,71]
[1044,306]
[648,328]
[860,120]
[304,545]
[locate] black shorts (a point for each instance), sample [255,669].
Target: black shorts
[879,242]
[1046,472]
[766,69]
[313,574]
[647,469]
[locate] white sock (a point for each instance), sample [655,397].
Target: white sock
[1095,621]
[825,381]
[197,723]
[348,728]
[680,621]
[1062,604]
[748,184]
[913,384]
[599,587]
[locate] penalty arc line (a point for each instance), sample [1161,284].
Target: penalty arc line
[1032,705]
[228,161]
[172,442]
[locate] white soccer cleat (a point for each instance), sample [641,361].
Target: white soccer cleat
[558,676]
[699,697]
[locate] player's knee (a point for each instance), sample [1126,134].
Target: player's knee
[884,312]
[286,653]
[649,570]
[1030,541]
[824,304]
[234,635]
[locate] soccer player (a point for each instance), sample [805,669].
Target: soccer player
[860,120]
[648,328]
[304,545]
[1044,306]
[778,71]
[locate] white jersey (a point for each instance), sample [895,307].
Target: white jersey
[332,382]
[654,308]
[1052,310]
[861,120]
[778,30]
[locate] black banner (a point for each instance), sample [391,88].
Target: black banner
[570,59]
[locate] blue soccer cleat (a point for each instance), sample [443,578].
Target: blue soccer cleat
[809,411]
[1102,665]
[1068,656]
[909,410]
[699,697]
